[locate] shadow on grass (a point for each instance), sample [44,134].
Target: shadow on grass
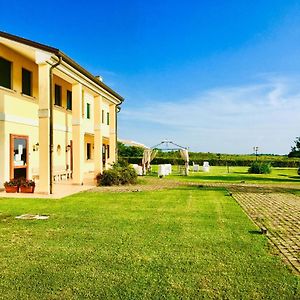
[255,232]
[201,188]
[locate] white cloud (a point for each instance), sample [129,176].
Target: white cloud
[225,119]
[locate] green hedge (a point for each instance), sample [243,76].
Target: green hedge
[259,168]
[284,163]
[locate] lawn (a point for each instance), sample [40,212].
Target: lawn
[183,243]
[238,174]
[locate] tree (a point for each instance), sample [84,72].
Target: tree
[129,151]
[295,150]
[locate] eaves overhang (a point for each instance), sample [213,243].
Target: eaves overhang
[64,57]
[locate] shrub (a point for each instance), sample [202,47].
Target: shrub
[259,168]
[299,171]
[108,178]
[12,182]
[120,173]
[27,183]
[128,175]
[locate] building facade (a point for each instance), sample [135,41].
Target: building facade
[56,118]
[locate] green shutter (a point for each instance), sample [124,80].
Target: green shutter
[5,73]
[88,111]
[57,95]
[26,82]
[69,100]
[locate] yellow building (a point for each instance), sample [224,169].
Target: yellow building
[56,119]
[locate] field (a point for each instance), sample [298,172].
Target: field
[235,175]
[181,243]
[240,174]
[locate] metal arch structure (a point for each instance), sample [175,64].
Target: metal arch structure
[168,146]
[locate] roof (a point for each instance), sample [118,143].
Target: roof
[132,143]
[64,57]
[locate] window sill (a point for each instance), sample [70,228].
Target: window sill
[8,90]
[61,108]
[28,96]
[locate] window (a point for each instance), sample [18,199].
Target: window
[88,110]
[5,73]
[102,116]
[57,95]
[69,100]
[107,151]
[103,154]
[26,82]
[107,118]
[88,151]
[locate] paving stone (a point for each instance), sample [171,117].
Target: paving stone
[278,212]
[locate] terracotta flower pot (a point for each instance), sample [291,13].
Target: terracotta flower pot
[27,189]
[12,189]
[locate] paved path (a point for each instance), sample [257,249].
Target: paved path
[278,212]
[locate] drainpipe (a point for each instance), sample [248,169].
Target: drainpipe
[51,121]
[118,109]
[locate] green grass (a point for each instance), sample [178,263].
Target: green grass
[238,174]
[297,192]
[183,243]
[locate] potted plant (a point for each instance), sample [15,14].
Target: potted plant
[12,186]
[27,186]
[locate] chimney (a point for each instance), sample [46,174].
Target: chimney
[100,78]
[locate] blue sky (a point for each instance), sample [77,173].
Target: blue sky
[217,76]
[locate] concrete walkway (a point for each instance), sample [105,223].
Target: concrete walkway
[61,189]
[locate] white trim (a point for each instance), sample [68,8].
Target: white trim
[41,57]
[7,90]
[30,122]
[44,113]
[19,120]
[76,122]
[62,128]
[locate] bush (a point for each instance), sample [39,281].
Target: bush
[299,171]
[120,174]
[108,178]
[259,168]
[128,175]
[12,182]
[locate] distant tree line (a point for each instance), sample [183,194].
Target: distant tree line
[133,154]
[129,151]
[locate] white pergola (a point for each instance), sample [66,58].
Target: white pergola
[166,145]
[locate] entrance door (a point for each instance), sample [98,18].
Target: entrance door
[19,156]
